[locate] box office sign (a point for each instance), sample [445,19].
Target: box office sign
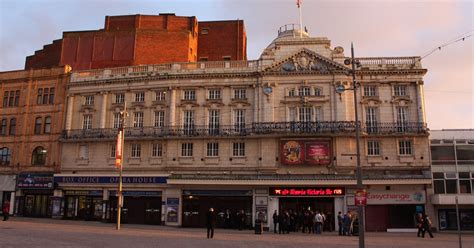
[35,181]
[108,180]
[305,152]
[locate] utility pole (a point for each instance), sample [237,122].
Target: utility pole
[360,187]
[119,161]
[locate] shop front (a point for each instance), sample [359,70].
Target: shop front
[34,194]
[391,210]
[306,201]
[229,206]
[7,190]
[445,209]
[91,197]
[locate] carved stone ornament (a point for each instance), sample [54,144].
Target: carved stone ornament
[304,63]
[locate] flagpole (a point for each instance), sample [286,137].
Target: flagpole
[301,22]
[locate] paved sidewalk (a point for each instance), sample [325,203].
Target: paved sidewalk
[31,232]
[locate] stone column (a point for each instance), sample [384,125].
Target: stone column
[70,107]
[103,110]
[172,114]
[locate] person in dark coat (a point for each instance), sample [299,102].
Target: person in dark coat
[210,223]
[347,224]
[275,221]
[241,219]
[6,210]
[426,226]
[340,223]
[281,223]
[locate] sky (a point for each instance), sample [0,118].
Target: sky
[377,28]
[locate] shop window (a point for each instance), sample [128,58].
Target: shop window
[38,156]
[12,129]
[47,124]
[38,124]
[5,156]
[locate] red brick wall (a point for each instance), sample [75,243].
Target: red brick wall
[224,38]
[48,57]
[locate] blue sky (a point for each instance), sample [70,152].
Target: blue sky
[377,28]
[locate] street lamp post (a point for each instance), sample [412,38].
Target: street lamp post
[360,207]
[119,162]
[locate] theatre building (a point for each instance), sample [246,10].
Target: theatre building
[250,136]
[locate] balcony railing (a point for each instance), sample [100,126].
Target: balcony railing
[256,128]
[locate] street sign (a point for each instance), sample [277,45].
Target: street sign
[360,198]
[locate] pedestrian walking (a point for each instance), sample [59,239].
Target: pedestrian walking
[347,224]
[241,219]
[227,219]
[275,221]
[419,224]
[426,226]
[6,210]
[210,223]
[340,223]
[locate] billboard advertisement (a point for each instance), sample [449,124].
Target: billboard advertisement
[305,152]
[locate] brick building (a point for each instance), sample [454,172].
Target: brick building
[31,124]
[144,39]
[258,136]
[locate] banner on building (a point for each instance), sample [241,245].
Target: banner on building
[305,152]
[385,197]
[119,149]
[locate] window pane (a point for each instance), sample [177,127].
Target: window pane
[465,152]
[439,175]
[442,154]
[439,186]
[451,186]
[465,186]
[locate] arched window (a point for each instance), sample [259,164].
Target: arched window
[5,155]
[39,156]
[38,125]
[3,128]
[12,130]
[47,124]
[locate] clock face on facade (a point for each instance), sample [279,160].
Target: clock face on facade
[267,90]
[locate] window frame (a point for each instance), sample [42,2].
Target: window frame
[212,149]
[135,150]
[187,149]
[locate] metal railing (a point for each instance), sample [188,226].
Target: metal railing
[256,128]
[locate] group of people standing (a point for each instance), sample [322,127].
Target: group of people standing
[346,223]
[423,223]
[306,221]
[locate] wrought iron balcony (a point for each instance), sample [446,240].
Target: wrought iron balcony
[256,128]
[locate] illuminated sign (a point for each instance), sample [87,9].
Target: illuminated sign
[314,191]
[305,152]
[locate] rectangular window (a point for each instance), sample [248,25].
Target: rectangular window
[212,149]
[47,124]
[117,120]
[138,119]
[318,113]
[405,147]
[188,122]
[17,98]
[157,150]
[87,122]
[3,128]
[370,91]
[84,152]
[140,97]
[214,94]
[239,120]
[240,94]
[292,92]
[373,148]
[214,116]
[112,150]
[89,100]
[119,98]
[39,97]
[187,149]
[160,95]
[51,96]
[464,182]
[305,114]
[304,91]
[11,99]
[292,114]
[136,151]
[189,95]
[371,119]
[402,118]
[12,130]
[38,124]
[5,99]
[159,119]
[205,31]
[45,95]
[400,90]
[439,187]
[238,149]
